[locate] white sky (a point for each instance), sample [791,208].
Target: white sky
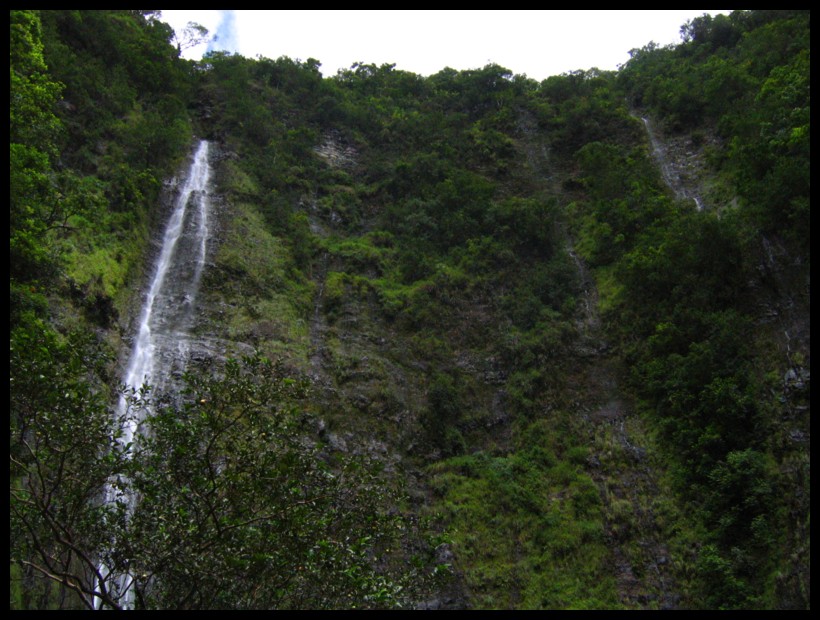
[536,43]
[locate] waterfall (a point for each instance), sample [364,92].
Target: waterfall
[162,340]
[669,171]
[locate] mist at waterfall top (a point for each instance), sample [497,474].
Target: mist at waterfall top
[536,43]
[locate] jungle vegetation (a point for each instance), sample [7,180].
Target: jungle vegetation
[452,278]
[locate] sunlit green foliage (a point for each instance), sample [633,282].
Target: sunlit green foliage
[35,204]
[527,527]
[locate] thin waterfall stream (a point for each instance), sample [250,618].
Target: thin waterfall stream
[671,173]
[162,342]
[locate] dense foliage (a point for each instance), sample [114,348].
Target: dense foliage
[747,75]
[474,272]
[234,510]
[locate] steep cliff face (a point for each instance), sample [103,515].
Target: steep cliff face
[415,399]
[778,285]
[432,406]
[575,345]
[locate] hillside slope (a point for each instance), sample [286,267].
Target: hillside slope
[527,354]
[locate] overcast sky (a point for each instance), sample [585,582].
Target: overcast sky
[536,43]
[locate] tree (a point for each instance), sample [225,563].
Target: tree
[230,492]
[235,507]
[34,202]
[192,35]
[62,449]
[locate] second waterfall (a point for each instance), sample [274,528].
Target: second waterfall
[161,344]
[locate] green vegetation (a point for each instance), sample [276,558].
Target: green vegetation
[529,526]
[746,75]
[228,492]
[508,356]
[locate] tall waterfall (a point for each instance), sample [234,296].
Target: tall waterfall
[162,341]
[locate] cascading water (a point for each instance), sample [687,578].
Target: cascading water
[162,341]
[671,177]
